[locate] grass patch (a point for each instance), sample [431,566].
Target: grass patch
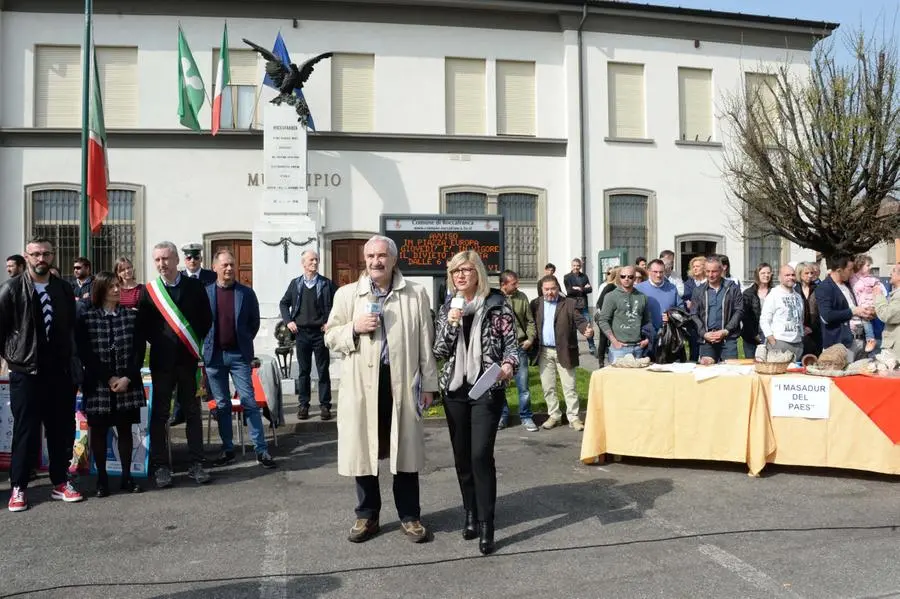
[538,405]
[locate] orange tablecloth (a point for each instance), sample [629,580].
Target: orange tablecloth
[667,415]
[848,438]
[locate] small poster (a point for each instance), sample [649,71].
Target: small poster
[6,425]
[801,397]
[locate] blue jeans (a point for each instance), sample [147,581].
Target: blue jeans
[217,370]
[524,391]
[587,316]
[629,349]
[868,329]
[726,350]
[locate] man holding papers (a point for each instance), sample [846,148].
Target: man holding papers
[475,334]
[382,328]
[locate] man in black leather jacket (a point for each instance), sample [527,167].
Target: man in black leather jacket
[37,320]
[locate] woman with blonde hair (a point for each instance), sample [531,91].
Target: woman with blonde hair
[129,288]
[475,330]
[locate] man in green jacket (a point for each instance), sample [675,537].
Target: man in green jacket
[624,313]
[888,311]
[526,332]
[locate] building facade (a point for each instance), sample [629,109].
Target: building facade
[588,126]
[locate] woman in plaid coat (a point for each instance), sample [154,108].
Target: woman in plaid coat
[113,390]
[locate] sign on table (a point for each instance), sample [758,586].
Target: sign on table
[801,397]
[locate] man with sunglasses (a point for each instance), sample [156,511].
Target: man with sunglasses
[625,312]
[193,264]
[84,280]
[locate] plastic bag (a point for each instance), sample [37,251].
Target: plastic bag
[670,340]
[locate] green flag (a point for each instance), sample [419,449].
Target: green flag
[191,92]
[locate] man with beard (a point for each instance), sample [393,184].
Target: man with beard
[37,320]
[15,265]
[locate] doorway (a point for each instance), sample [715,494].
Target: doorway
[347,260]
[691,246]
[243,257]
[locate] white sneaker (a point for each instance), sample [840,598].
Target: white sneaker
[577,424]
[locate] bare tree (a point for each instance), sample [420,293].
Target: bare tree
[815,158]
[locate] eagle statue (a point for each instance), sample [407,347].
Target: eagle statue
[289,77]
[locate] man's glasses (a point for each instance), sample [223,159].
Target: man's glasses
[77,267]
[189,257]
[629,277]
[41,254]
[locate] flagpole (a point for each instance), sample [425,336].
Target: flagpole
[84,229]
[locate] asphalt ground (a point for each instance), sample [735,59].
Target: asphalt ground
[632,529]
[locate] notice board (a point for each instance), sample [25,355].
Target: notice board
[426,242]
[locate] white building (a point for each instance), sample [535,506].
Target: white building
[451,106]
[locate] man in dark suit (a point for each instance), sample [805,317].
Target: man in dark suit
[174,316]
[37,320]
[556,319]
[193,264]
[304,309]
[228,349]
[837,307]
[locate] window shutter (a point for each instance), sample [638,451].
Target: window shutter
[119,86]
[760,89]
[57,83]
[243,66]
[626,100]
[515,98]
[695,104]
[352,92]
[465,96]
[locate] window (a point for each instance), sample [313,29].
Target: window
[761,102]
[57,81]
[54,213]
[630,222]
[465,96]
[626,101]
[239,99]
[762,245]
[524,223]
[515,98]
[892,251]
[695,104]
[353,92]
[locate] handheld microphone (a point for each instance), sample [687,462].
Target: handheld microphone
[458,302]
[373,308]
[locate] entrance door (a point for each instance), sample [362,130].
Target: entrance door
[243,257]
[691,248]
[347,260]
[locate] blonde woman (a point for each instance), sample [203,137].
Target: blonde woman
[471,339]
[129,288]
[696,277]
[612,279]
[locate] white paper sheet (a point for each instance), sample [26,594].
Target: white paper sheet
[485,381]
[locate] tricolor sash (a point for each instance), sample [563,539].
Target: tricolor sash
[172,315]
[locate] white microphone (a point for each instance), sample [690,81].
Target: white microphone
[458,302]
[373,308]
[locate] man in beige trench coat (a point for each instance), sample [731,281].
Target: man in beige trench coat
[382,328]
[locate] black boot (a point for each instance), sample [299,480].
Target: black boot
[470,530]
[486,540]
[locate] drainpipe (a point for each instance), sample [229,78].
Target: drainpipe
[582,121]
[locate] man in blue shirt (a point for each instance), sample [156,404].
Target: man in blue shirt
[661,294]
[716,309]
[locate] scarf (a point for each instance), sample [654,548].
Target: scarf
[468,359]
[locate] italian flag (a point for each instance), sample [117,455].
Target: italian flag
[223,78]
[98,170]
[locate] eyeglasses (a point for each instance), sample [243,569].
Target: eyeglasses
[77,267]
[462,271]
[629,277]
[41,254]
[191,257]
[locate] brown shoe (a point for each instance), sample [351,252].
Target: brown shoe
[303,413]
[415,532]
[363,530]
[325,413]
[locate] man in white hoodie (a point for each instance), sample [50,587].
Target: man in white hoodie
[781,319]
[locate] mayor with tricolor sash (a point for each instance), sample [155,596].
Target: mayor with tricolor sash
[174,316]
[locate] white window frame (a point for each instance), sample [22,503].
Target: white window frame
[651,217]
[612,117]
[370,126]
[492,208]
[138,210]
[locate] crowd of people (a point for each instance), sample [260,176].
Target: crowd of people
[92,334]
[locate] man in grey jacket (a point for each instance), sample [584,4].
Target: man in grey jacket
[624,313]
[716,310]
